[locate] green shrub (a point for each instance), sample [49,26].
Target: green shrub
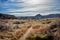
[40,37]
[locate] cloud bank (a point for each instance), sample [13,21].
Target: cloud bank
[30,7]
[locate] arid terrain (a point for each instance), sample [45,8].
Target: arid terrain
[29,19]
[30,29]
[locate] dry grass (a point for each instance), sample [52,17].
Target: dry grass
[17,28]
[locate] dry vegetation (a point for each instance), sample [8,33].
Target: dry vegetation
[42,29]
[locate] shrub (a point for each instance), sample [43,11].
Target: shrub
[53,25]
[40,37]
[3,27]
[16,22]
[46,21]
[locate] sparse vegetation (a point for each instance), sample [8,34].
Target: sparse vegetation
[3,27]
[40,37]
[42,29]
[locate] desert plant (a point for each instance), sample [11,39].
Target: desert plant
[16,22]
[40,37]
[3,27]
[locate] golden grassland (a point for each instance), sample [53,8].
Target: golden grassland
[14,29]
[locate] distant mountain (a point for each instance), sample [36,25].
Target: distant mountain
[38,16]
[52,16]
[49,16]
[6,16]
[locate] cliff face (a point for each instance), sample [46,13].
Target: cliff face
[6,16]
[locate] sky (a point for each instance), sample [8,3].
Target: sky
[29,7]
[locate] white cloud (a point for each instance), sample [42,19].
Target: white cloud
[52,12]
[39,9]
[24,14]
[32,7]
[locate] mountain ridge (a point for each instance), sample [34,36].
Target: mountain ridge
[6,16]
[38,16]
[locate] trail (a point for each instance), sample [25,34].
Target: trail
[26,34]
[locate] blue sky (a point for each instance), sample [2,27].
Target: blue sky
[29,7]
